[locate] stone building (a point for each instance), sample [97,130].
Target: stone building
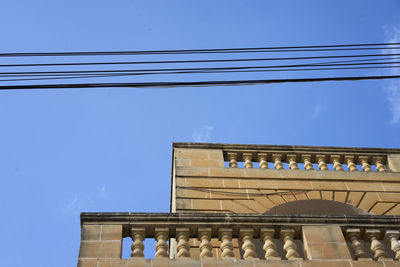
[262,205]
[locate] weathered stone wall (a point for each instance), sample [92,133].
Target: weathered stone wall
[203,183]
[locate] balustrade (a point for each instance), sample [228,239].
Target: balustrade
[375,232]
[340,160]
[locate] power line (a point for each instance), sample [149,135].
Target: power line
[95,75]
[321,64]
[191,84]
[341,47]
[193,61]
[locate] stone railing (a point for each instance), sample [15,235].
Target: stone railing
[309,158]
[280,236]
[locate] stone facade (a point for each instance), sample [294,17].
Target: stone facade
[339,187]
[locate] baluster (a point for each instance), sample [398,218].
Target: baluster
[267,236]
[248,246]
[350,163]
[205,245]
[321,159]
[225,236]
[262,158]
[161,246]
[376,246]
[137,235]
[335,160]
[232,157]
[356,246]
[277,158]
[291,159]
[377,161]
[289,246]
[393,237]
[183,247]
[364,163]
[247,157]
[307,162]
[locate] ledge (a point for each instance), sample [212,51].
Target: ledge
[300,149]
[150,221]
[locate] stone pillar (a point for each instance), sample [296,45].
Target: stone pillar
[246,235]
[205,245]
[393,162]
[267,236]
[324,242]
[262,158]
[99,242]
[353,235]
[161,246]
[307,162]
[183,246]
[287,236]
[225,235]
[138,235]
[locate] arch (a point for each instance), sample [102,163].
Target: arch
[316,206]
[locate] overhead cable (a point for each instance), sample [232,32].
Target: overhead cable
[341,47]
[191,84]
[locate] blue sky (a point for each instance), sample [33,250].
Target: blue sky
[67,151]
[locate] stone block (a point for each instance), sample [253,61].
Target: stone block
[183,203]
[391,187]
[277,263]
[230,205]
[191,171]
[354,198]
[90,232]
[209,163]
[105,249]
[183,162]
[390,263]
[187,153]
[365,186]
[192,193]
[329,185]
[230,183]
[87,262]
[204,182]
[132,262]
[218,263]
[381,208]
[367,263]
[334,250]
[393,162]
[175,263]
[324,242]
[323,234]
[326,263]
[111,232]
[251,205]
[206,204]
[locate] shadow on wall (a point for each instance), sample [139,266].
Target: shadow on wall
[317,206]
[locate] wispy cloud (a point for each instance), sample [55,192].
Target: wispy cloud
[72,202]
[203,134]
[317,111]
[102,192]
[393,88]
[74,206]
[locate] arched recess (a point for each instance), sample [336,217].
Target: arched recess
[317,206]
